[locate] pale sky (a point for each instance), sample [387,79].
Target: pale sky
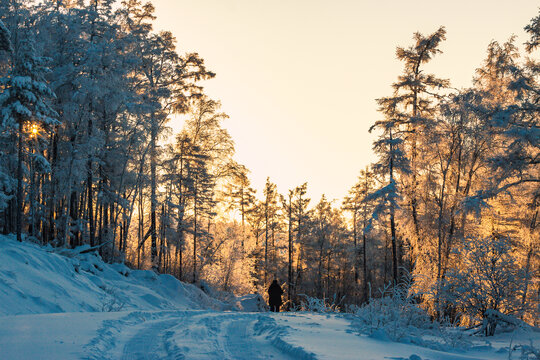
[299,78]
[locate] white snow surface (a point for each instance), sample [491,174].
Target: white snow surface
[63,305]
[34,279]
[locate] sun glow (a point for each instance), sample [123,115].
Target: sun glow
[34,130]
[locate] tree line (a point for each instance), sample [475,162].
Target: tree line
[87,89]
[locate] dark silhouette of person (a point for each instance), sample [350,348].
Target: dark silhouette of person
[274,296]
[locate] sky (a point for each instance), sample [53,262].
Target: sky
[299,78]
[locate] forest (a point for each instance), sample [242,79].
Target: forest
[449,210]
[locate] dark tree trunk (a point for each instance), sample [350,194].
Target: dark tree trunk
[19,183]
[290,272]
[153,199]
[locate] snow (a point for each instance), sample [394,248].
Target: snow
[42,280]
[49,336]
[331,337]
[60,304]
[251,302]
[208,334]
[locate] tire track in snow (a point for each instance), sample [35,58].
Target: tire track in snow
[242,336]
[150,343]
[194,335]
[105,345]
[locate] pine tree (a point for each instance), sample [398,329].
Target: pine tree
[270,206]
[301,217]
[24,103]
[322,232]
[242,196]
[412,106]
[357,203]
[392,162]
[286,203]
[5,38]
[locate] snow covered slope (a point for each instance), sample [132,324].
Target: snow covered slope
[34,279]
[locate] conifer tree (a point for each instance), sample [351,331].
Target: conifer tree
[413,109]
[300,217]
[357,203]
[5,38]
[242,195]
[25,103]
[392,162]
[270,209]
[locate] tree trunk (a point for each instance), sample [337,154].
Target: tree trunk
[195,230]
[290,248]
[19,183]
[153,199]
[355,243]
[266,243]
[364,267]
[392,221]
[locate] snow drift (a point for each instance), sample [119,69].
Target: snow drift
[35,279]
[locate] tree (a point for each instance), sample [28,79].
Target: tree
[301,216]
[256,220]
[24,103]
[295,209]
[214,148]
[5,35]
[178,174]
[322,231]
[392,161]
[412,109]
[286,203]
[270,206]
[357,203]
[168,81]
[242,196]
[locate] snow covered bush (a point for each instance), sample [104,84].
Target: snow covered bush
[111,300]
[324,305]
[397,316]
[529,352]
[395,312]
[487,280]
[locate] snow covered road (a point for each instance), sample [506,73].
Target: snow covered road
[193,335]
[202,334]
[145,335]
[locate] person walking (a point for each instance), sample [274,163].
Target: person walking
[274,296]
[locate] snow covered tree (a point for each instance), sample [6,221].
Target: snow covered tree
[242,196]
[357,203]
[25,103]
[270,210]
[177,173]
[408,115]
[5,37]
[392,162]
[322,232]
[256,220]
[412,104]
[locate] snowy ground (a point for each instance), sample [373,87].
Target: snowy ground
[203,334]
[60,307]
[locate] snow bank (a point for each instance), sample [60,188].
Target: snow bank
[251,302]
[35,279]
